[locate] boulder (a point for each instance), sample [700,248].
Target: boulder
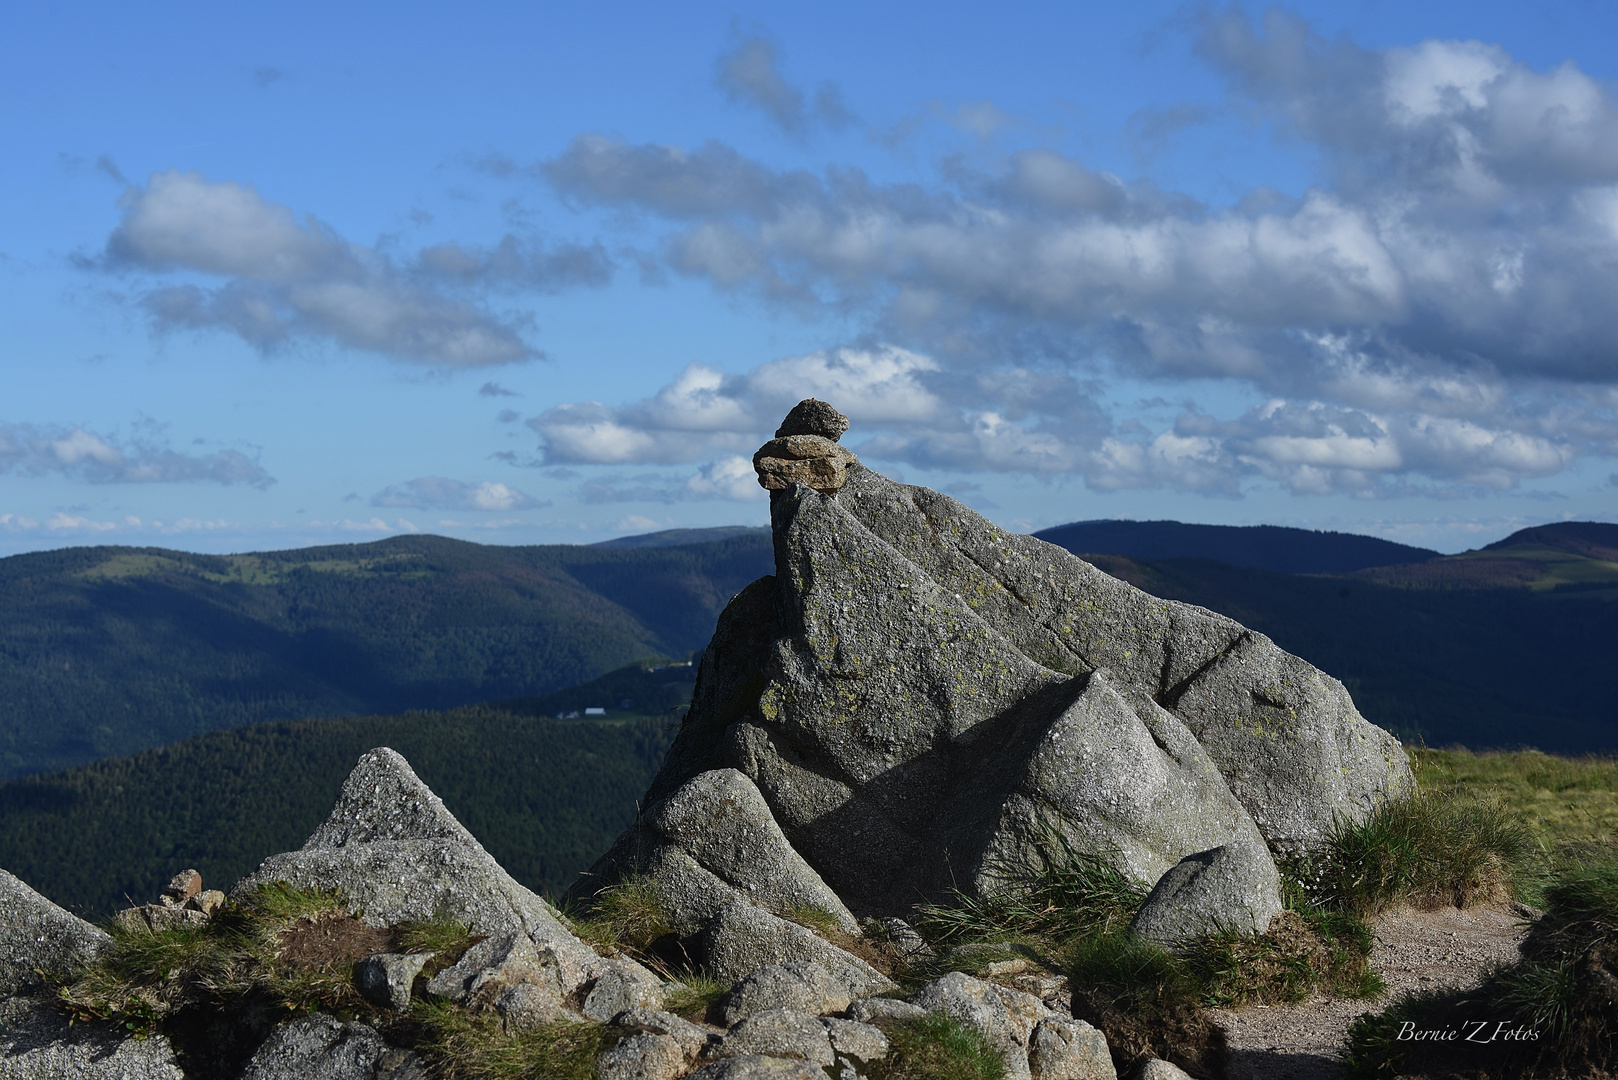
[813,417]
[398,854]
[642,1055]
[39,941]
[692,1039]
[1061,1049]
[1158,1069]
[38,1043]
[979,1005]
[871,1010]
[526,1006]
[779,1033]
[759,1067]
[742,938]
[926,702]
[1232,888]
[316,1047]
[498,961]
[625,985]
[800,985]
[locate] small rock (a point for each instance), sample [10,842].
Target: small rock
[1231,887]
[526,1006]
[643,1055]
[1024,1010]
[911,945]
[507,959]
[802,459]
[395,1064]
[183,886]
[799,984]
[779,1033]
[316,1048]
[207,902]
[693,1040]
[759,1067]
[623,986]
[1069,1050]
[813,417]
[1158,1069]
[854,1039]
[870,1010]
[386,978]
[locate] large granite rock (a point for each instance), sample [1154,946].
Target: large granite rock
[38,940]
[316,1047]
[925,701]
[398,854]
[1233,888]
[38,1043]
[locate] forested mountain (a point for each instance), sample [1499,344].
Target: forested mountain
[545,796]
[110,650]
[1261,547]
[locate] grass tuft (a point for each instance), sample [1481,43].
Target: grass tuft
[937,1048]
[463,1045]
[698,994]
[627,916]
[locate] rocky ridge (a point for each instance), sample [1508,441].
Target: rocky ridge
[915,701]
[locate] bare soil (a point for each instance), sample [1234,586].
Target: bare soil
[1413,950]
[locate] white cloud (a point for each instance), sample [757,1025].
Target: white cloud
[441,493]
[728,478]
[144,458]
[287,278]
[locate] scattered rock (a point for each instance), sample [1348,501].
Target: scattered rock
[386,978]
[870,1010]
[1158,1069]
[207,902]
[316,1048]
[183,886]
[1234,887]
[693,1040]
[643,1055]
[397,1064]
[40,941]
[758,1067]
[391,846]
[1069,1050]
[910,945]
[779,1033]
[852,1038]
[800,985]
[977,1004]
[813,417]
[741,939]
[526,1006]
[499,960]
[625,985]
[37,1043]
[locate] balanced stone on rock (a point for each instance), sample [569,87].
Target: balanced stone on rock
[1232,888]
[39,940]
[803,459]
[813,417]
[183,886]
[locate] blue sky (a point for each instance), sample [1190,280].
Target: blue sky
[531,274]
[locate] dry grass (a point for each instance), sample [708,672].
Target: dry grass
[462,1045]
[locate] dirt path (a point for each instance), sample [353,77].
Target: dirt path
[1413,950]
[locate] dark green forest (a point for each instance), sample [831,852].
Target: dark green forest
[545,796]
[107,650]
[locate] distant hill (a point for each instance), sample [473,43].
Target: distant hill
[681,537]
[545,796]
[1262,547]
[111,650]
[1569,556]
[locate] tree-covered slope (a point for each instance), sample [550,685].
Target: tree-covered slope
[110,650]
[545,796]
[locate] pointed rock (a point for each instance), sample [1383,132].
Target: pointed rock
[40,941]
[399,855]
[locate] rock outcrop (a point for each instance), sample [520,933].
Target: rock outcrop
[38,940]
[923,701]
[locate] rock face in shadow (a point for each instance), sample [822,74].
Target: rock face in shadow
[925,701]
[38,940]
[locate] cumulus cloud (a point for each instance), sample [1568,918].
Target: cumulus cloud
[1440,309]
[286,277]
[145,458]
[441,493]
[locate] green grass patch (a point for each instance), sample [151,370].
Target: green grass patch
[1564,800]
[462,1045]
[937,1048]
[628,916]
[698,993]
